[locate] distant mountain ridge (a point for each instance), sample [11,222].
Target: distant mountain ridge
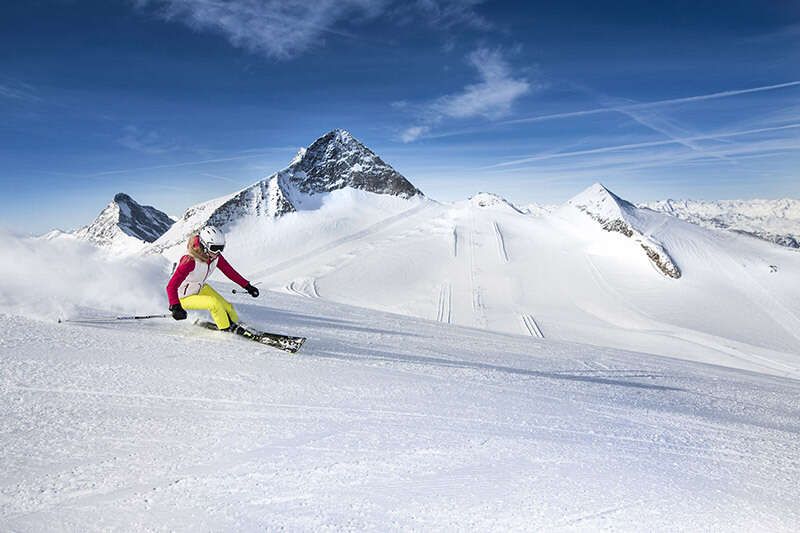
[776,221]
[338,160]
[125,222]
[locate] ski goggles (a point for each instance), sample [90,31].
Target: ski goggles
[212,248]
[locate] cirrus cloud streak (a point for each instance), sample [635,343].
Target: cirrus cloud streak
[492,97]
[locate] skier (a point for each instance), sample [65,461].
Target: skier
[187,289]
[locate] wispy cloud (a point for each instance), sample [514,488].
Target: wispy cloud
[677,164]
[647,144]
[492,97]
[283,29]
[148,142]
[17,90]
[413,133]
[655,103]
[250,155]
[220,177]
[442,14]
[611,163]
[654,120]
[623,109]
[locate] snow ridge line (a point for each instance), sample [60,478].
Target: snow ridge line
[531,326]
[444,312]
[501,243]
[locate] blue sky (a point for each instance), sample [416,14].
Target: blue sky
[179,101]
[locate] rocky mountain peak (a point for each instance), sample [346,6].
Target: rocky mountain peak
[334,161]
[337,160]
[598,200]
[614,214]
[123,218]
[121,197]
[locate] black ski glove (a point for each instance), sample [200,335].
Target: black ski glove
[178,312]
[252,291]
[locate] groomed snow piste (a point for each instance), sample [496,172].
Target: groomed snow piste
[383,422]
[390,421]
[469,366]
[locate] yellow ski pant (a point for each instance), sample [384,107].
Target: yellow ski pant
[221,310]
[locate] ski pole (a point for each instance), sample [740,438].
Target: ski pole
[110,319]
[242,291]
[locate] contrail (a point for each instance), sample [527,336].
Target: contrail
[657,103]
[176,165]
[664,129]
[644,145]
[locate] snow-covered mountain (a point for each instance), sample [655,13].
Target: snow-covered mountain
[335,161]
[124,224]
[597,270]
[776,221]
[615,214]
[486,199]
[591,270]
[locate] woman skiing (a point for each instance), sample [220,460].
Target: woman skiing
[187,289]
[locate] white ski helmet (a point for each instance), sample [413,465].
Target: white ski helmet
[212,240]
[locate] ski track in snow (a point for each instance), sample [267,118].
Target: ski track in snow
[303,287]
[478,307]
[381,422]
[501,244]
[531,327]
[444,304]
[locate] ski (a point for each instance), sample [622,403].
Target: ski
[109,319]
[282,342]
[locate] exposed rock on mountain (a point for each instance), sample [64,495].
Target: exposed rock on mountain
[125,222]
[334,161]
[618,215]
[337,160]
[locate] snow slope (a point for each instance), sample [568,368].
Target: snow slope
[383,422]
[618,215]
[561,276]
[393,421]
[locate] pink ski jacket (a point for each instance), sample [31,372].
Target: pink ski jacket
[193,271]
